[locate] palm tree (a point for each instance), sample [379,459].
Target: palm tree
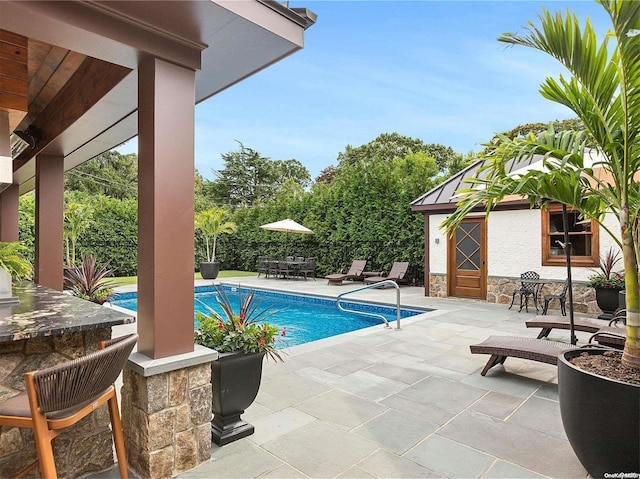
[77,218]
[212,223]
[12,260]
[603,90]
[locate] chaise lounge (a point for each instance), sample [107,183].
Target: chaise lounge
[548,323]
[354,273]
[612,336]
[397,273]
[502,347]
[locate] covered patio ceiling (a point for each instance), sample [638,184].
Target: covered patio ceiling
[83,59]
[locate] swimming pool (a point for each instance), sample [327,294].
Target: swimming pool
[307,318]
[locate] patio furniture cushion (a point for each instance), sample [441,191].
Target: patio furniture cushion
[502,347]
[17,405]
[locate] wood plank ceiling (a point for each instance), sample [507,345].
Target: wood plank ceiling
[62,86]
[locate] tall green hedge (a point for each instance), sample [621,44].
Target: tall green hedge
[112,235]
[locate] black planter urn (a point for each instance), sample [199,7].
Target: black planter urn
[608,301]
[601,417]
[235,379]
[210,270]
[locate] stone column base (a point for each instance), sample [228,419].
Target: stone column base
[166,412]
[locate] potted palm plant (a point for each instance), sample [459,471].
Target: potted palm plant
[77,218]
[242,340]
[212,223]
[600,413]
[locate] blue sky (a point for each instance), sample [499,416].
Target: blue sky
[427,69]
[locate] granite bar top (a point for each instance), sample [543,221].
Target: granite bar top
[43,311]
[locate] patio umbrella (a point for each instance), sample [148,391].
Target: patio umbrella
[287,226]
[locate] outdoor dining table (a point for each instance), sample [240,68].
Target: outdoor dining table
[294,264]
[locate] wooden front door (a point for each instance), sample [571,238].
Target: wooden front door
[467,257]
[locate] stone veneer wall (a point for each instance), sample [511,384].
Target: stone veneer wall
[167,420]
[87,446]
[500,290]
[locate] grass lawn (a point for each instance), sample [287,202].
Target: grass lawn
[123,280]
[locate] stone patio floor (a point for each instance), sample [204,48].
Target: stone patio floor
[381,403]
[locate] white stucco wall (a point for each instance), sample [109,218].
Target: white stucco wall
[513,245]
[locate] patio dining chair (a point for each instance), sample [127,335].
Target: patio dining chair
[263,266]
[561,297]
[308,268]
[284,269]
[526,291]
[59,396]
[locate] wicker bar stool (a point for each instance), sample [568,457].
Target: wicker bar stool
[59,396]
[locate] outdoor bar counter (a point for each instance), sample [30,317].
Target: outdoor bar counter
[47,327]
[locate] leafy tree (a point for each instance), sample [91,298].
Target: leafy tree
[535,128]
[203,197]
[292,170]
[604,92]
[26,224]
[327,175]
[388,146]
[249,178]
[109,174]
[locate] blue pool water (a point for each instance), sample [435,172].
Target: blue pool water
[307,318]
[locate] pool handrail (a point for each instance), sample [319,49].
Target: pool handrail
[384,283]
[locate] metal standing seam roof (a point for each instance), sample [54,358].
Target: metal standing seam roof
[443,195]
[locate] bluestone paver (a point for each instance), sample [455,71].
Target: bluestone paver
[379,403]
[450,459]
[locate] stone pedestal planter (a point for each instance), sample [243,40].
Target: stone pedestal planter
[235,378]
[608,301]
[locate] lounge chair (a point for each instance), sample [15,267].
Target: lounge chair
[354,273]
[397,273]
[548,323]
[502,347]
[610,335]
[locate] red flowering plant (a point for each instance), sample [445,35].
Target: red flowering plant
[244,331]
[607,278]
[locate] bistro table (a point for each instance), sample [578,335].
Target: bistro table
[48,327]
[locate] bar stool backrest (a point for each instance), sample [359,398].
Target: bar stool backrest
[80,380]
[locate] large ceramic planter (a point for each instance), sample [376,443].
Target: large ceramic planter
[210,270]
[608,301]
[235,378]
[601,417]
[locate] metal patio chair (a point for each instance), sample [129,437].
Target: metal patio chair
[526,291]
[561,297]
